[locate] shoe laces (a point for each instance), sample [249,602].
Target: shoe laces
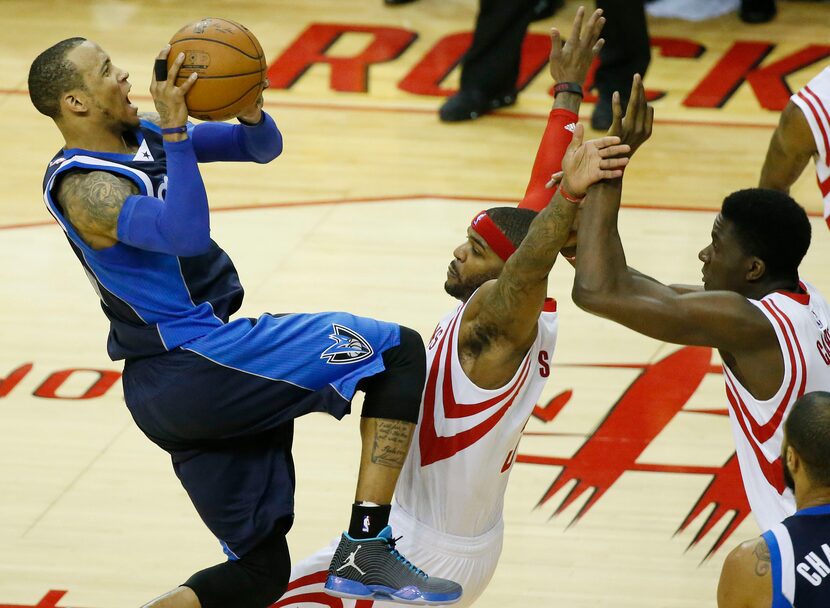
[397,554]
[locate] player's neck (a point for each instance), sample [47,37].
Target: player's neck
[759,290]
[812,496]
[93,138]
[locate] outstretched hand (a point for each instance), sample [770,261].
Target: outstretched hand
[585,164]
[635,127]
[571,62]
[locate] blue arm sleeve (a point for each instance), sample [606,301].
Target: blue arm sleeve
[219,141]
[179,225]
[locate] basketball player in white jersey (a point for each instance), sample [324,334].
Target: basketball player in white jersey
[771,328]
[788,566]
[803,132]
[487,362]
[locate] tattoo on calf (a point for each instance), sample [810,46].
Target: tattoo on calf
[391,443]
[762,563]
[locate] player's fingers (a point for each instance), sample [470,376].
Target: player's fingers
[555,43]
[634,100]
[613,163]
[611,174]
[598,47]
[604,142]
[265,84]
[649,120]
[188,83]
[174,69]
[594,27]
[577,27]
[160,66]
[579,132]
[554,179]
[614,150]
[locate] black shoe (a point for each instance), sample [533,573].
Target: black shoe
[546,8]
[469,105]
[396,2]
[757,11]
[371,568]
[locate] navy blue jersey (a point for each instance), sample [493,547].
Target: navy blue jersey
[800,556]
[155,302]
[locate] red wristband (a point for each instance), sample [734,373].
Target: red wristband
[570,197]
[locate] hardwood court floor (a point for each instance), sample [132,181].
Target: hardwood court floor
[362,212]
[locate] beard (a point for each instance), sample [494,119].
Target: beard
[788,477]
[463,289]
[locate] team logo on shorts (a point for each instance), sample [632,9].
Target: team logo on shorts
[349,346]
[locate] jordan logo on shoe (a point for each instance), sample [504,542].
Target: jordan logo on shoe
[350,562]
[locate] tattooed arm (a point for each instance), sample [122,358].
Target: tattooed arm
[499,323]
[745,580]
[92,202]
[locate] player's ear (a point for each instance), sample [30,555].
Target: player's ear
[756,269]
[793,459]
[73,102]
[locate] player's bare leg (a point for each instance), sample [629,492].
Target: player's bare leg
[385,445]
[181,597]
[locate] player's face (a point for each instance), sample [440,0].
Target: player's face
[724,261]
[107,86]
[473,264]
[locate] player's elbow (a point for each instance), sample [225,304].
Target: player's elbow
[587,297]
[270,149]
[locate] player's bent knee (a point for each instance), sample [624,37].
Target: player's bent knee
[395,393]
[256,580]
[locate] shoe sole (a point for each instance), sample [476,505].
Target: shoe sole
[349,589]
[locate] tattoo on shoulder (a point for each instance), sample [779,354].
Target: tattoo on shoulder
[93,200]
[762,559]
[150,117]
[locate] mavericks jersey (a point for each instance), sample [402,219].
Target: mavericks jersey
[154,301]
[799,549]
[456,474]
[802,326]
[814,101]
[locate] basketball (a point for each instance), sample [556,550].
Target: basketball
[229,61]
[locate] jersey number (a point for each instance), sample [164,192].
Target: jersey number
[823,346]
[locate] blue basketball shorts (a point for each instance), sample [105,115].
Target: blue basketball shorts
[223,406]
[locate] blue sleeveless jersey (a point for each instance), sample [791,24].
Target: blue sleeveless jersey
[800,557]
[155,302]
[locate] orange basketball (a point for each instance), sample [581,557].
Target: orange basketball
[230,64]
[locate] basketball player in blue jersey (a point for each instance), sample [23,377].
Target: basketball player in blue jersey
[219,395]
[788,566]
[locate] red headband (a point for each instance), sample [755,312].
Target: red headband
[493,235]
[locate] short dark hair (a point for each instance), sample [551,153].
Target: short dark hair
[512,221]
[52,75]
[808,432]
[770,225]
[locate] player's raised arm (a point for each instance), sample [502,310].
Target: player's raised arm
[604,284]
[790,149]
[568,65]
[508,308]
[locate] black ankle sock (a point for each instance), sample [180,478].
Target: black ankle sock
[368,519]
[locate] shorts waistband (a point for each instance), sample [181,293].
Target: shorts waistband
[451,544]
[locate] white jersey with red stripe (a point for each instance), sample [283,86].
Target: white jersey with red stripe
[814,101]
[802,325]
[455,476]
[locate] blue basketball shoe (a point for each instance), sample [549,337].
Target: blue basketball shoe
[371,568]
